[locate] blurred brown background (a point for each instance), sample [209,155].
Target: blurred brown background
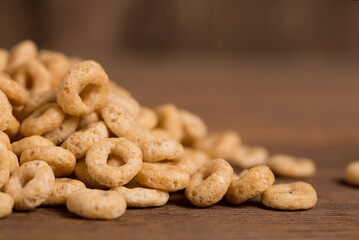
[280,72]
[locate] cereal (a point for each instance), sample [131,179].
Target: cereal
[169,119]
[30,185]
[83,89]
[45,119]
[13,129]
[121,124]
[288,166]
[194,127]
[250,156]
[159,150]
[6,203]
[82,174]
[88,119]
[96,160]
[15,93]
[80,142]
[250,184]
[191,160]
[292,196]
[30,142]
[5,140]
[60,160]
[4,56]
[147,118]
[209,184]
[21,53]
[96,204]
[163,177]
[140,197]
[130,105]
[66,128]
[4,166]
[352,173]
[5,112]
[61,189]
[36,101]
[155,134]
[117,90]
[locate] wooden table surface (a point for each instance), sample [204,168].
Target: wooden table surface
[306,107]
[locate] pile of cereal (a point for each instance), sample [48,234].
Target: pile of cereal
[70,136]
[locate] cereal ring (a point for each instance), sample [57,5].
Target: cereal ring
[4,56]
[83,89]
[169,119]
[30,185]
[163,177]
[21,53]
[96,204]
[36,101]
[80,142]
[5,111]
[15,93]
[96,160]
[250,156]
[191,160]
[159,150]
[13,129]
[61,189]
[250,184]
[128,103]
[352,173]
[117,90]
[156,133]
[88,119]
[33,76]
[292,196]
[288,166]
[194,127]
[209,184]
[143,197]
[4,166]
[6,203]
[61,161]
[220,144]
[67,127]
[82,174]
[45,119]
[30,142]
[13,161]
[147,118]
[4,138]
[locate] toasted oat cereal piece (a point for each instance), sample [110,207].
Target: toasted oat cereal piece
[45,119]
[5,140]
[66,128]
[96,204]
[163,177]
[61,161]
[10,158]
[191,160]
[5,112]
[34,141]
[128,103]
[194,127]
[352,173]
[83,89]
[15,93]
[80,142]
[169,119]
[4,56]
[96,161]
[209,184]
[30,185]
[292,196]
[36,101]
[147,118]
[4,166]
[288,166]
[159,150]
[61,189]
[250,184]
[121,124]
[117,90]
[21,53]
[13,129]
[88,119]
[6,203]
[140,197]
[82,174]
[156,133]
[250,156]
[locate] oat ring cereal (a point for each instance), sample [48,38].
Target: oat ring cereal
[292,196]
[96,160]
[194,127]
[4,57]
[209,184]
[352,173]
[81,173]
[35,102]
[6,203]
[250,156]
[83,89]
[288,166]
[15,93]
[158,150]
[5,140]
[96,204]
[250,184]
[4,166]
[143,197]
[30,142]
[21,53]
[59,134]
[163,177]
[5,111]
[169,119]
[30,185]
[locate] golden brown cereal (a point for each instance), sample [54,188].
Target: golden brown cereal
[292,196]
[156,133]
[5,111]
[21,53]
[250,156]
[209,184]
[147,118]
[4,56]
[30,185]
[288,166]
[219,144]
[250,184]
[67,127]
[163,177]
[36,101]
[83,89]
[4,139]
[61,189]
[6,203]
[60,160]
[143,197]
[121,124]
[15,93]
[45,119]
[129,104]
[96,204]
[4,166]
[352,173]
[80,142]
[191,160]
[159,150]
[82,174]
[34,141]
[13,129]
[194,127]
[117,90]
[13,161]
[96,161]
[170,120]
[88,119]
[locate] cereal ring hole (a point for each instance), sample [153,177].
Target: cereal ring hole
[88,93]
[115,161]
